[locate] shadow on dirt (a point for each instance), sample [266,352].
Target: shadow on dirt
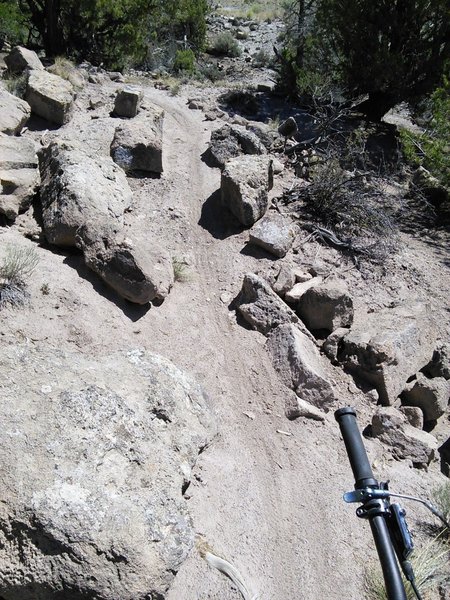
[217,219]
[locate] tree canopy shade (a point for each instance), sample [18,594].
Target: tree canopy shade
[393,50]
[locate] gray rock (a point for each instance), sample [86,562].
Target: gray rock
[413,415]
[296,407]
[78,190]
[127,101]
[244,187]
[294,294]
[231,141]
[288,128]
[284,281]
[431,395]
[300,365]
[275,233]
[19,175]
[440,363]
[330,346]
[444,452]
[301,275]
[326,306]
[21,59]
[50,96]
[388,347]
[92,475]
[14,113]
[407,442]
[137,145]
[138,270]
[261,307]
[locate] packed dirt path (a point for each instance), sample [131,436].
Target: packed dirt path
[267,494]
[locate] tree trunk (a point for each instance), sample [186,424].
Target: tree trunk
[54,42]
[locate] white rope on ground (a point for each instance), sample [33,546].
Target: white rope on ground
[227,568]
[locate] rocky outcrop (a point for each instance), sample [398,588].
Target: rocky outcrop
[231,141]
[430,395]
[19,175]
[138,270]
[14,113]
[407,442]
[50,96]
[261,307]
[92,475]
[300,366]
[245,183]
[21,59]
[388,347]
[127,101]
[78,190]
[274,233]
[326,306]
[137,145]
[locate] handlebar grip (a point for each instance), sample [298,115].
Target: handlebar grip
[362,471]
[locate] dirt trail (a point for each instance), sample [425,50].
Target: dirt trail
[268,502]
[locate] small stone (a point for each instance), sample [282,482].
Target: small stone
[275,233]
[299,289]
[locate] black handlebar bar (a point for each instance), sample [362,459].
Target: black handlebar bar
[374,510]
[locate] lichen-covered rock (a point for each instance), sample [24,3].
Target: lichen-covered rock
[300,365]
[14,113]
[21,59]
[326,306]
[49,96]
[92,475]
[78,190]
[388,347]
[245,183]
[138,145]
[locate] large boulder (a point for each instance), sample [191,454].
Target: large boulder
[21,59]
[138,270]
[230,141]
[137,145]
[261,307]
[50,96]
[430,395]
[440,363]
[14,113]
[300,365]
[245,183]
[19,175]
[78,190]
[407,442]
[95,453]
[275,233]
[326,306]
[386,348]
[127,101]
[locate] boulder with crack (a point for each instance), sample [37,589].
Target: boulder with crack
[95,454]
[138,270]
[14,113]
[19,174]
[430,395]
[388,347]
[230,141]
[261,307]
[50,96]
[275,233]
[391,427]
[78,190]
[326,306]
[244,186]
[138,145]
[300,365]
[21,59]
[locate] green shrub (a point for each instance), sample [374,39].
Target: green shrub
[224,44]
[211,72]
[12,29]
[184,61]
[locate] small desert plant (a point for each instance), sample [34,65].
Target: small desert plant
[175,88]
[441,497]
[184,61]
[18,264]
[16,84]
[211,72]
[180,270]
[429,564]
[224,44]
